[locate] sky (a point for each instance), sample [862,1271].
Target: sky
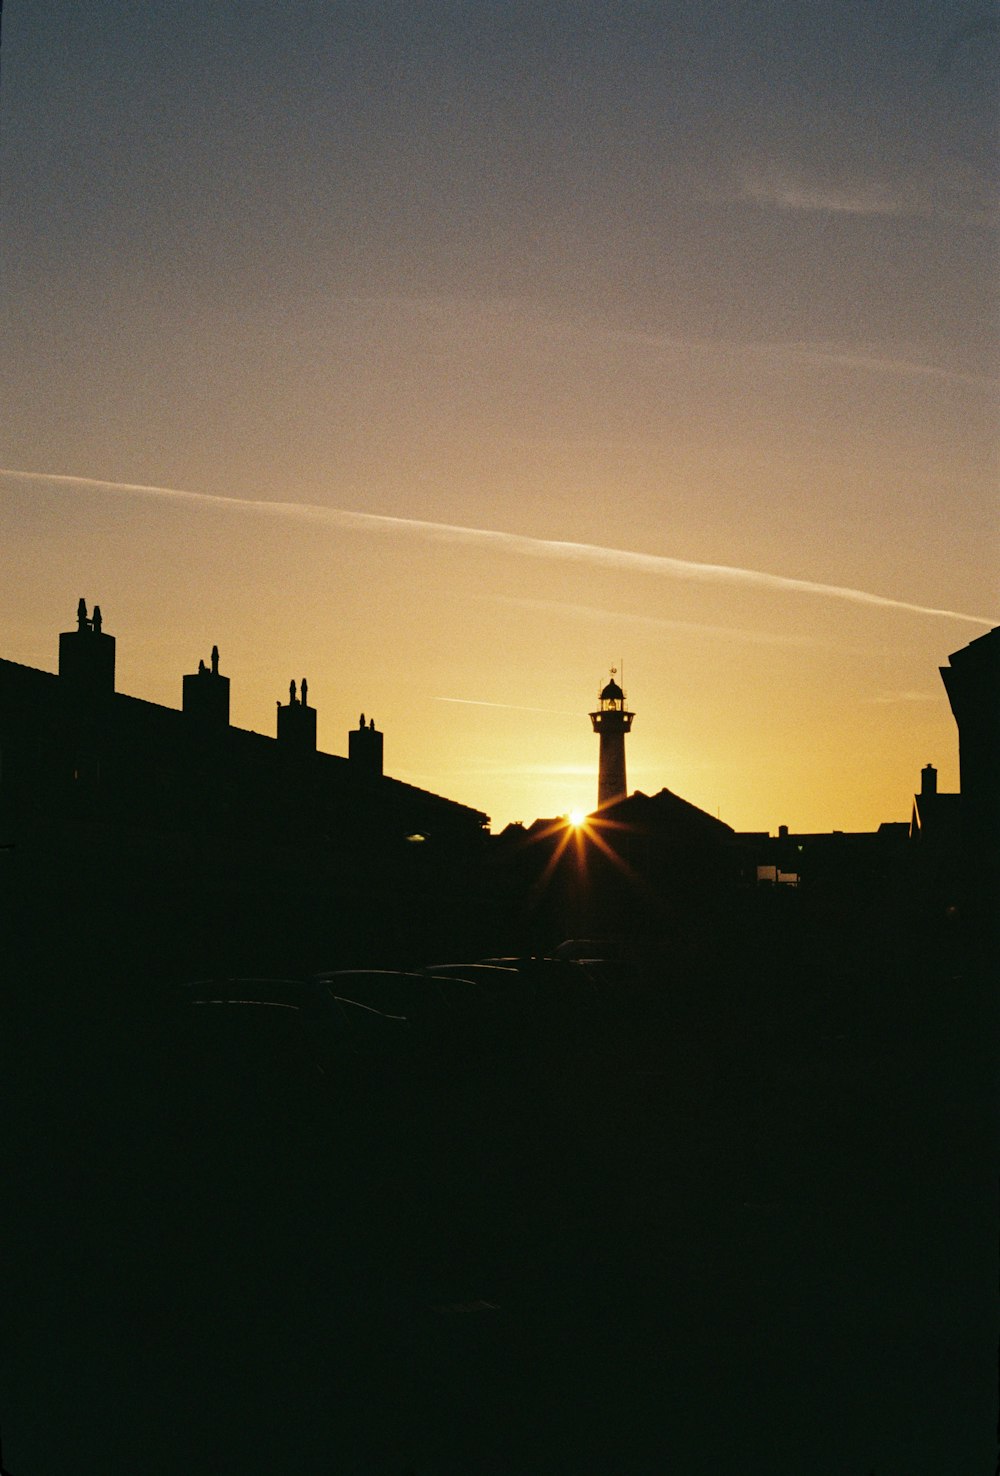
[450,354]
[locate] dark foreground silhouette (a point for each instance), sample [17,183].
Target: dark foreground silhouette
[734,1215]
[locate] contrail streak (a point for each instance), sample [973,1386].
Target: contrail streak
[660,565]
[508,706]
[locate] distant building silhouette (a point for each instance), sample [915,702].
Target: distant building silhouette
[611,722]
[935,837]
[934,820]
[972,682]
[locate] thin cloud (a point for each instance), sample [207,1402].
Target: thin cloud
[821,357]
[788,191]
[958,192]
[520,544]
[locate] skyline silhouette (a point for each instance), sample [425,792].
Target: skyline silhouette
[306,855]
[87,666]
[549,758]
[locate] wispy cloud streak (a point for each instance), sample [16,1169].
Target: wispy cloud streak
[476,318]
[520,544]
[813,355]
[660,622]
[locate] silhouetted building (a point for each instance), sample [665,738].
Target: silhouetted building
[611,722]
[153,768]
[131,815]
[640,866]
[972,682]
[836,869]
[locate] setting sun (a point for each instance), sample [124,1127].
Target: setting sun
[576,817]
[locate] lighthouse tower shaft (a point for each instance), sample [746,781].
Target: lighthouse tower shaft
[611,722]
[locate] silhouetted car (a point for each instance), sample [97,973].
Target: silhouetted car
[270,1091]
[589,950]
[450,1011]
[299,994]
[395,992]
[292,1018]
[410,996]
[560,985]
[604,959]
[473,971]
[506,997]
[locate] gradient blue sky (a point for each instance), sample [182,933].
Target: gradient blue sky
[704,284]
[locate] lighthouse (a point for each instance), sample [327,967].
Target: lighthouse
[611,722]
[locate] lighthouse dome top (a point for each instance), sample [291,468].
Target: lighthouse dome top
[612,692]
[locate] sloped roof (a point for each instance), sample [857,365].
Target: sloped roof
[668,815]
[148,733]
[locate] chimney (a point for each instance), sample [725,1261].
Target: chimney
[297,722]
[364,746]
[206,696]
[87,657]
[928,780]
